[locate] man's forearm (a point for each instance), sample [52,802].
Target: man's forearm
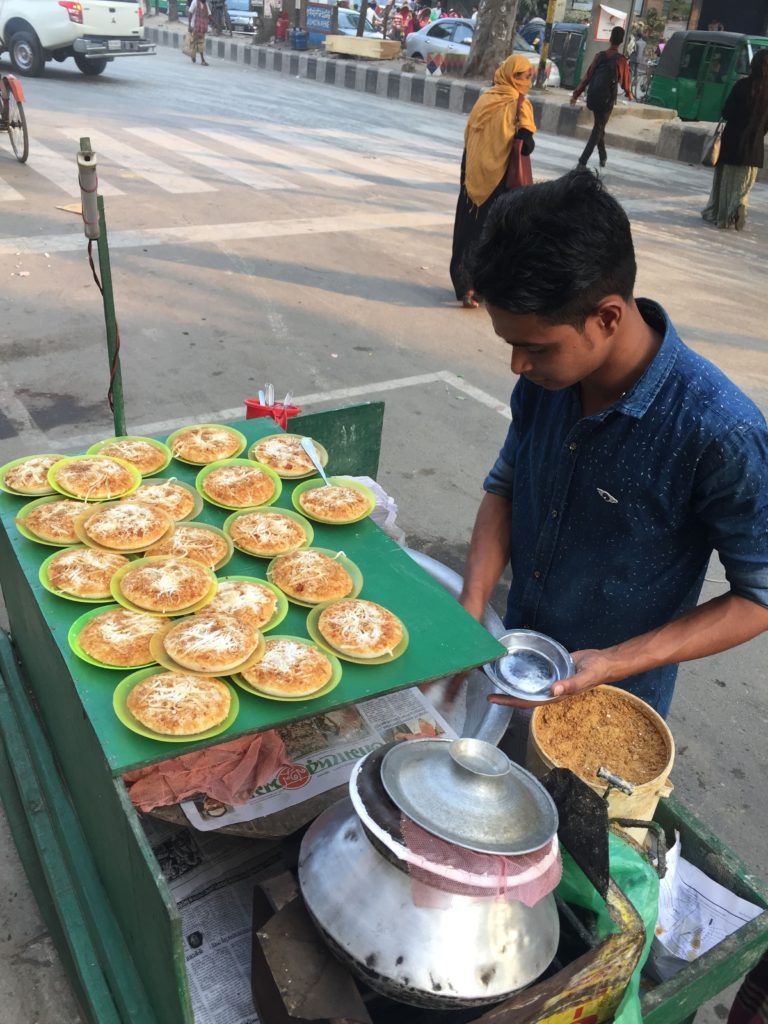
[713,627]
[488,552]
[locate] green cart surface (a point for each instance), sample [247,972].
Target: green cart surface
[100,889]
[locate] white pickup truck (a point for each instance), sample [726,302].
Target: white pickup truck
[94,32]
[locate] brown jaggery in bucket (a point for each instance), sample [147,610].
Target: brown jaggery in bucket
[609,728]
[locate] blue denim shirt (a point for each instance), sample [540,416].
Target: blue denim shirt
[615,516]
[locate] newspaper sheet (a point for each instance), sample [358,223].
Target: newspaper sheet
[212,879]
[323,751]
[695,914]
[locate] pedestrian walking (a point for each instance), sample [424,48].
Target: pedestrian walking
[742,147]
[608,71]
[501,115]
[637,63]
[199,15]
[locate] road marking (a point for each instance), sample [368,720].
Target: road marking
[8,194]
[316,398]
[284,156]
[365,165]
[157,171]
[194,234]
[62,170]
[224,165]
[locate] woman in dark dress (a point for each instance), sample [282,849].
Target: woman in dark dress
[492,125]
[742,147]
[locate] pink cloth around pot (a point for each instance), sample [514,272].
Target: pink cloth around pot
[228,772]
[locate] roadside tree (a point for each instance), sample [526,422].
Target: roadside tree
[492,38]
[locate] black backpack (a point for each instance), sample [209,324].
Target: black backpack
[603,88]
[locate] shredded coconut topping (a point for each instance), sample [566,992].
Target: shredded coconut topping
[31,475]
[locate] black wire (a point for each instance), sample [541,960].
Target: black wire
[116,357]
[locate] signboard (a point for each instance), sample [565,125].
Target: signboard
[320,17]
[608,19]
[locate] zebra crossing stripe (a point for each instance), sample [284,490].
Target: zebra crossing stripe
[62,170]
[167,178]
[226,166]
[282,156]
[8,194]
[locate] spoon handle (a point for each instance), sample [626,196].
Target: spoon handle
[309,447]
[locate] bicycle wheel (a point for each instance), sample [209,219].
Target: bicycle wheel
[17,128]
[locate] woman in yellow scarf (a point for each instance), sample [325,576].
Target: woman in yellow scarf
[492,125]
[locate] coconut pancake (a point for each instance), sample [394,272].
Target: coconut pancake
[94,478]
[284,454]
[126,526]
[341,504]
[55,521]
[267,534]
[31,476]
[311,576]
[167,586]
[193,542]
[84,572]
[360,628]
[249,602]
[179,704]
[203,445]
[120,637]
[289,669]
[211,643]
[175,500]
[142,455]
[238,486]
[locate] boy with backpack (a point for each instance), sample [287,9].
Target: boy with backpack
[608,71]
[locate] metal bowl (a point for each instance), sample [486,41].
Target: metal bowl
[534,663]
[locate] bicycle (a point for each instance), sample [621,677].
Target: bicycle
[13,121]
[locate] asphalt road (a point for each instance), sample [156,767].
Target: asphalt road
[266,228]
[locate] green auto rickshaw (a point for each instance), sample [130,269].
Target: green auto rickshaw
[697,70]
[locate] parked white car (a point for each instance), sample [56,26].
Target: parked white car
[453,37]
[93,32]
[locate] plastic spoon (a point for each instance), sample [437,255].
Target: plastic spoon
[309,447]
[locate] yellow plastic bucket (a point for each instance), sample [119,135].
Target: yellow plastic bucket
[642,802]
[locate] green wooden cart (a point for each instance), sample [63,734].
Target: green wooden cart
[98,884]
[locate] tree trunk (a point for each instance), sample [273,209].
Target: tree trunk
[173,10]
[385,17]
[361,19]
[492,39]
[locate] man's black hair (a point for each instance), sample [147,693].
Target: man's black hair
[555,250]
[617,36]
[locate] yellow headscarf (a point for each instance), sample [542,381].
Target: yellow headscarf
[492,126]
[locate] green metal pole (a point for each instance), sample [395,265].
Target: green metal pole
[541,74]
[118,410]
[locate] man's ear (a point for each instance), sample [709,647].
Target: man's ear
[610,314]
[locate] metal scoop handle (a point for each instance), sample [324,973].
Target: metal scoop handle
[309,447]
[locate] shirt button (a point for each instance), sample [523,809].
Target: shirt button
[536,573]
[554,513]
[573,446]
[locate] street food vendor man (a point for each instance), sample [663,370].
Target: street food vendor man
[629,460]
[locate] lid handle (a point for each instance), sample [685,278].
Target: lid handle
[479,757]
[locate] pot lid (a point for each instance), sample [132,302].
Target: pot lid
[469,793]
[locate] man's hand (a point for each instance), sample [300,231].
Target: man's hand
[573,99]
[592,669]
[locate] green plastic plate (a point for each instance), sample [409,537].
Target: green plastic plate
[121,710]
[43,577]
[79,625]
[282,601]
[96,448]
[117,593]
[25,532]
[341,558]
[321,451]
[239,462]
[317,636]
[306,526]
[332,683]
[340,481]
[17,462]
[242,441]
[135,474]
